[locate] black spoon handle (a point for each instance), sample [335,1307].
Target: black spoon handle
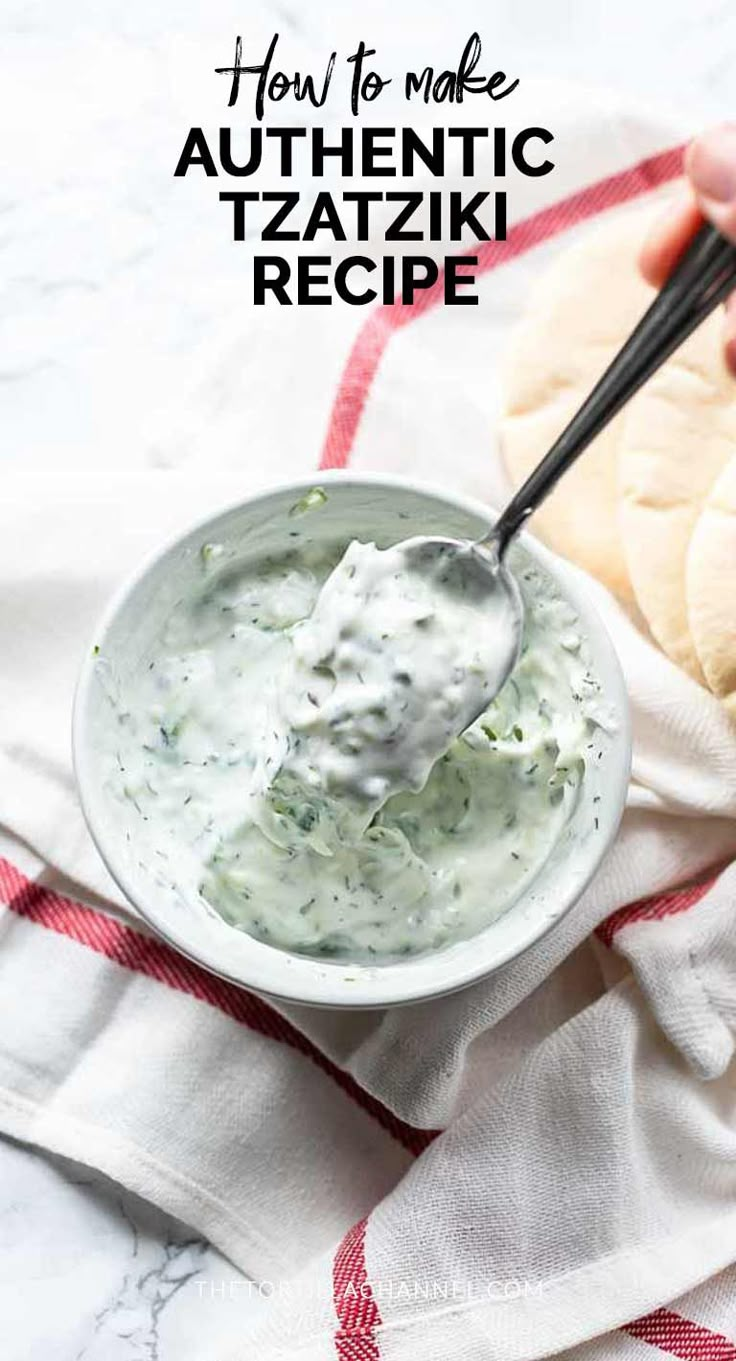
[704,276]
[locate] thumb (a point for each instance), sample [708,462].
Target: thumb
[711,165]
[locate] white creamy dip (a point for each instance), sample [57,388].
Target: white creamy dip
[395,660]
[304,792]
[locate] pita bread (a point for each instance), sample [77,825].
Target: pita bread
[711,587]
[579,314]
[678,435]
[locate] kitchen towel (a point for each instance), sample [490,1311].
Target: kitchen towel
[546,1161]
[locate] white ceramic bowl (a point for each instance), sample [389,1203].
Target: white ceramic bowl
[369,507]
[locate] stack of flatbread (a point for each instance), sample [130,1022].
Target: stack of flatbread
[650,508]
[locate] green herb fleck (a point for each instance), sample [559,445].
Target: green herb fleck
[169,735]
[312,501]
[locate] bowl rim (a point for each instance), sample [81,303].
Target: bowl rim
[328,989]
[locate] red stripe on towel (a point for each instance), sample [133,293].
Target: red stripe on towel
[152,957]
[681,1337]
[375,333]
[355,1305]
[653,909]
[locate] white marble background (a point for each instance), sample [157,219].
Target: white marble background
[86,1270]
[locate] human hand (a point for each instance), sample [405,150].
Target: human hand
[710,166]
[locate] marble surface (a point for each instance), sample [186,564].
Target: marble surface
[86,1270]
[89,1272]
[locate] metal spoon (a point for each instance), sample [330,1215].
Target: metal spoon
[703,277]
[366,737]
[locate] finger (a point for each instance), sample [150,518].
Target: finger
[668,238]
[710,162]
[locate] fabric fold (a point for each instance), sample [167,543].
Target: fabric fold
[584,1189]
[686,965]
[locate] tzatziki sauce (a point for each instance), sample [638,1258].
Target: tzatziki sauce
[304,783]
[394,662]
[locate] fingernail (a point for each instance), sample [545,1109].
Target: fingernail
[729,338]
[712,164]
[731,354]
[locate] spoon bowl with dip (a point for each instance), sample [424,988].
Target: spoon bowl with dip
[400,654]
